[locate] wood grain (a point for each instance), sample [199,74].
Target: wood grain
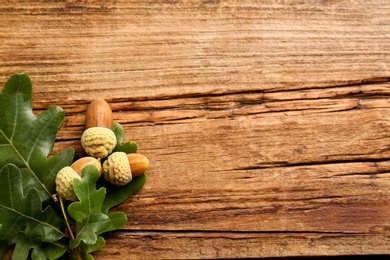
[266,122]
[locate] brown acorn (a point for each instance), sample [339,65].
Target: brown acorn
[120,168]
[138,163]
[99,114]
[81,163]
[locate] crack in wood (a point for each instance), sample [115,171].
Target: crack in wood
[228,234]
[311,163]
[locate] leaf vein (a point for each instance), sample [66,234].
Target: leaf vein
[32,218]
[16,114]
[38,138]
[25,163]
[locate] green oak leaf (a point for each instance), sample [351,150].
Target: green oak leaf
[40,250]
[116,195]
[26,140]
[22,213]
[87,213]
[117,221]
[85,249]
[128,147]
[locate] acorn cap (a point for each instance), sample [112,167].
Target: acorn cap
[116,169]
[64,183]
[98,142]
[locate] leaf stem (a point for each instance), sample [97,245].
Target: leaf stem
[66,218]
[77,252]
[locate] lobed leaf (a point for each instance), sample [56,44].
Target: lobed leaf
[116,195]
[26,140]
[87,212]
[128,147]
[21,213]
[40,250]
[85,249]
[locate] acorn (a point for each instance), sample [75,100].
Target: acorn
[98,140]
[138,163]
[81,163]
[120,168]
[99,113]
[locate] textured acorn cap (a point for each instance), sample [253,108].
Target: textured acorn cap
[116,169]
[64,183]
[98,141]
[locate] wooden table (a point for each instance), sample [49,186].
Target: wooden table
[266,122]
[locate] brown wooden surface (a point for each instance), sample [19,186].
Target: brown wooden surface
[266,123]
